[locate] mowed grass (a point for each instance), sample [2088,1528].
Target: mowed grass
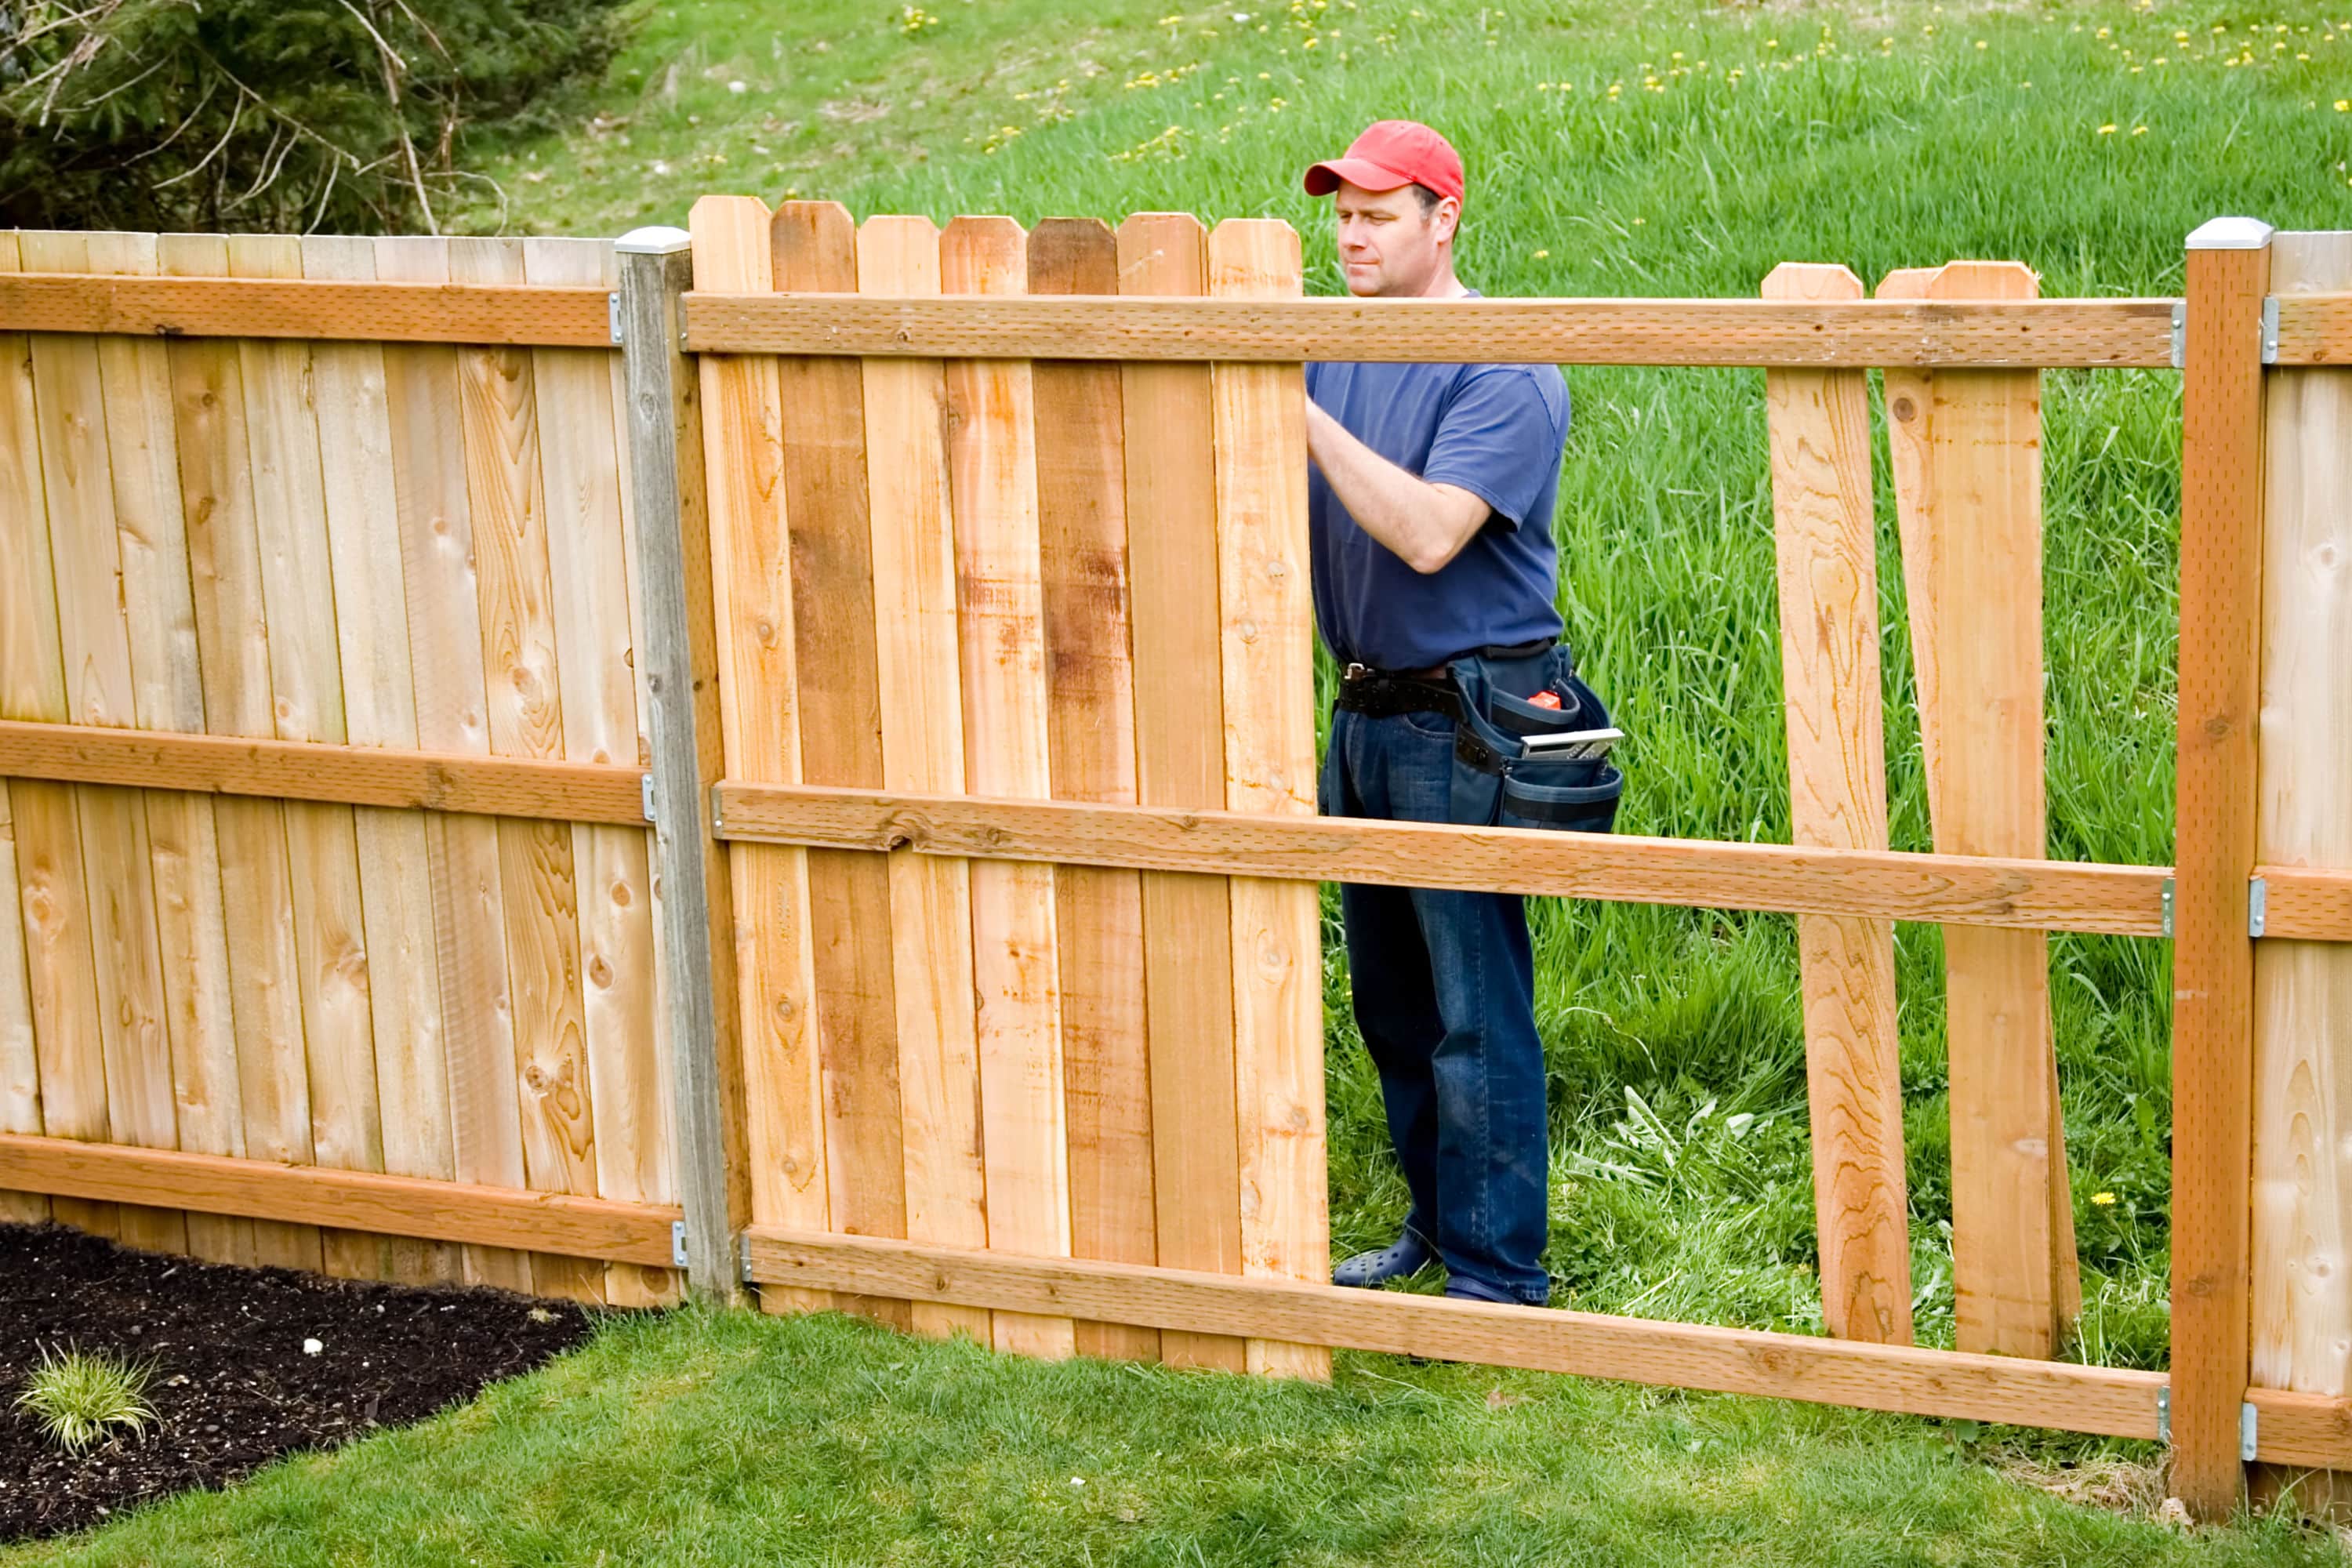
[1879,139]
[695,1439]
[1649,150]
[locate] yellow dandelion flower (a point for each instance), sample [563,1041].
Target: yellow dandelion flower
[2106,131]
[2140,130]
[2103,1200]
[1980,43]
[2344,106]
[1541,254]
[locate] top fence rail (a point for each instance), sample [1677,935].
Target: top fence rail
[2303,330]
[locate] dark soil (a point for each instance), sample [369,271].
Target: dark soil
[233,1387]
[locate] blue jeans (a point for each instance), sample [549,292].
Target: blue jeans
[1444,994]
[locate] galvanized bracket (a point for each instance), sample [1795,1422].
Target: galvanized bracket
[2168,906]
[677,1242]
[2257,900]
[2164,1414]
[2270,329]
[2246,1431]
[2180,333]
[646,791]
[681,325]
[613,315]
[744,1255]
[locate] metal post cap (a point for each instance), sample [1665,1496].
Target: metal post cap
[660,239]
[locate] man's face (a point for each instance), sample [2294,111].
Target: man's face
[1388,246]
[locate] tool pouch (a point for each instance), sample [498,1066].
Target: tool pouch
[1497,783]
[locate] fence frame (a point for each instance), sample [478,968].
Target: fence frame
[2222,335]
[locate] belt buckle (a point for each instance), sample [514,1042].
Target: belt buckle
[1357,671]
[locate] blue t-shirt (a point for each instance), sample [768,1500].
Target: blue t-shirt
[1495,430]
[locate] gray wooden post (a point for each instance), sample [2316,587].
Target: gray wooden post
[680,654]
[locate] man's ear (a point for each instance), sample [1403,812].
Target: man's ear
[1448,217]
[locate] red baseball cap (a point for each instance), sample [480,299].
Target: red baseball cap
[1389,153]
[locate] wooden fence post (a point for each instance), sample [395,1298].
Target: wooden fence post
[680,654]
[2229,266]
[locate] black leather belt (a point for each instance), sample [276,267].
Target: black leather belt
[1384,693]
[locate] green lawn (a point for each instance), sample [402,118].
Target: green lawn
[695,1439]
[1611,149]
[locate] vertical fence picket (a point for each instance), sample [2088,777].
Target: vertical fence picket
[2302,1193]
[1826,537]
[813,248]
[917,661]
[752,566]
[307,704]
[573,394]
[1969,497]
[1269,665]
[39,1013]
[1179,728]
[362,486]
[94,637]
[225,575]
[536,869]
[1000,613]
[192,941]
[481,1134]
[1082,527]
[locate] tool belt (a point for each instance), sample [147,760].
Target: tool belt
[1497,781]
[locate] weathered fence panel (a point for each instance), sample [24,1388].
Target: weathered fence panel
[332,544]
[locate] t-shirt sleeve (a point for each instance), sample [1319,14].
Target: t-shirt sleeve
[1501,438]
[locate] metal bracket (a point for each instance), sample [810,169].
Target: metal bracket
[2258,898]
[681,327]
[2180,333]
[646,789]
[677,1242]
[2168,906]
[2164,1414]
[2270,329]
[613,315]
[744,1258]
[2246,1431]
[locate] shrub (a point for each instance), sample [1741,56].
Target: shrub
[79,1399]
[268,114]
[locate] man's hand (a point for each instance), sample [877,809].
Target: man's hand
[1425,525]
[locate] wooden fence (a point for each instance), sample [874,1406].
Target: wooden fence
[796,766]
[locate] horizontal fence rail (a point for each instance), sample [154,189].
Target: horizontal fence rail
[2289,1428]
[349,1200]
[326,310]
[321,771]
[2045,895]
[2110,332]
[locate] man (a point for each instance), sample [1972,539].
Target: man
[1430,505]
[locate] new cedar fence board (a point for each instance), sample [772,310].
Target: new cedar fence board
[814,244]
[1966,449]
[1825,532]
[1179,728]
[308,593]
[1088,615]
[759,700]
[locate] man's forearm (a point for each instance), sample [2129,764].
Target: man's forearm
[1425,525]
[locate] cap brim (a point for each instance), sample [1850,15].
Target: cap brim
[1324,178]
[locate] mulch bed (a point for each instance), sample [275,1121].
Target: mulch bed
[233,1386]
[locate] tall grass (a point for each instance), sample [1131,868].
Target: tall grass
[1631,149]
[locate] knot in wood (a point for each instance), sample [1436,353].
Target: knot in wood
[1905,409]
